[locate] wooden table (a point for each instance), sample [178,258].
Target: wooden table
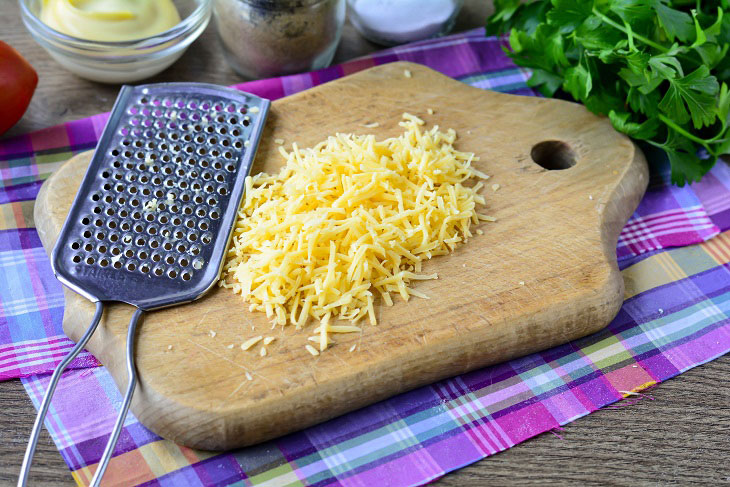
[682,436]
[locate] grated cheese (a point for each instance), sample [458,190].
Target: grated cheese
[348,223]
[253,110]
[407,73]
[268,340]
[251,342]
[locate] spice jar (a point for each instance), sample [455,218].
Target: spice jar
[266,38]
[392,22]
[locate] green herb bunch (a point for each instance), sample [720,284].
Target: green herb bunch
[657,68]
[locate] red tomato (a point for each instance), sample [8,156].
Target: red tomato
[18,80]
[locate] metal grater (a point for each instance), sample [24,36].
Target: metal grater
[155,211]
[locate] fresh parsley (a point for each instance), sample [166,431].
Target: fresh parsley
[658,69]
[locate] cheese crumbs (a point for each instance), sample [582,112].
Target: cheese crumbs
[349,221]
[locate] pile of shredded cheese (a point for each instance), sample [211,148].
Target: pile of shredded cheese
[348,221]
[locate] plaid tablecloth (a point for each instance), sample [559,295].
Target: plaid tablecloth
[676,316]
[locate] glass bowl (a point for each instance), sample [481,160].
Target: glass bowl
[119,62]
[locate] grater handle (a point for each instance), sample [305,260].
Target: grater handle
[132,382]
[45,404]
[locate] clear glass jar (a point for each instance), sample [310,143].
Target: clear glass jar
[393,22]
[266,38]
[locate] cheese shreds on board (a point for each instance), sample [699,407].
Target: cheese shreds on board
[347,224]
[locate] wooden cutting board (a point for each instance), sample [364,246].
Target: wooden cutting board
[543,274]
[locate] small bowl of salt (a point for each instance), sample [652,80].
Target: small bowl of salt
[393,22]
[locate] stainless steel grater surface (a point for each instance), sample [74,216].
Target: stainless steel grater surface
[155,211]
[152,218]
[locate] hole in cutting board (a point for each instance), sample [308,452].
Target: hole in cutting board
[553,155]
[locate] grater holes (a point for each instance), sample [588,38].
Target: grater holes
[117,264]
[102,249]
[235,132]
[230,167]
[103,262]
[215,153]
[90,260]
[75,245]
[123,213]
[134,202]
[159,270]
[223,190]
[217,165]
[116,164]
[210,129]
[167,246]
[226,143]
[207,238]
[172,273]
[170,259]
[186,276]
[185,196]
[212,201]
[193,236]
[146,192]
[112,224]
[245,122]
[203,225]
[181,248]
[163,219]
[159,193]
[144,180]
[108,198]
[204,163]
[97,209]
[85,220]
[129,253]
[136,215]
[184,261]
[149,217]
[178,234]
[115,251]
[190,223]
[113,237]
[140,241]
[88,247]
[201,211]
[100,236]
[86,234]
[220,178]
[109,211]
[198,264]
[176,221]
[188,210]
[76,259]
[131,177]
[131,266]
[174,208]
[139,228]
[154,243]
[98,222]
[144,268]
[156,257]
[143,254]
[132,190]
[207,175]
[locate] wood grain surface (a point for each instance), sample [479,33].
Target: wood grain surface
[680,438]
[543,274]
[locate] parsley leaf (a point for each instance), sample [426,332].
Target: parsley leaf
[658,69]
